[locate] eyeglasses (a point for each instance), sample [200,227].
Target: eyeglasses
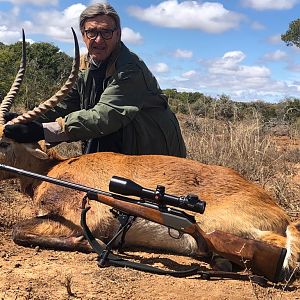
[106,34]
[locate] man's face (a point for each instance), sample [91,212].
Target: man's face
[98,47]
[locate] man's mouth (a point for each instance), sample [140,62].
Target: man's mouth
[98,48]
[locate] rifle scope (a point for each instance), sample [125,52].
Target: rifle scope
[127,187]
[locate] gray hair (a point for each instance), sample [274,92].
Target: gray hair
[96,10]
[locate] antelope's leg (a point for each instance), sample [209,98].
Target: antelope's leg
[51,232]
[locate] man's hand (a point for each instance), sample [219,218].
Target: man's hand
[25,133]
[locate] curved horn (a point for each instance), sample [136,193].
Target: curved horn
[55,99]
[9,98]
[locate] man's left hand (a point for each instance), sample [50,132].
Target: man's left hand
[25,133]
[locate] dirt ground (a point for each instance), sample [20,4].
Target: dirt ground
[27,273]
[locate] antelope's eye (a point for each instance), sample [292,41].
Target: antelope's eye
[4,145]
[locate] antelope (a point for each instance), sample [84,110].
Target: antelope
[234,205]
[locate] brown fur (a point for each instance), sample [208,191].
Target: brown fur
[234,204]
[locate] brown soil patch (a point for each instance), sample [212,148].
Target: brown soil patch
[285,143]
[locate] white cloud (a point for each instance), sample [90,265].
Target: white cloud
[230,66]
[189,74]
[210,17]
[98,1]
[9,36]
[15,11]
[130,36]
[30,41]
[276,55]
[275,39]
[51,22]
[160,68]
[58,24]
[231,76]
[8,21]
[35,2]
[228,74]
[229,62]
[180,53]
[294,67]
[257,26]
[270,4]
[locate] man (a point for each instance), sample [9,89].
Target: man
[116,104]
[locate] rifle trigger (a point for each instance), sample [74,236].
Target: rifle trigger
[172,232]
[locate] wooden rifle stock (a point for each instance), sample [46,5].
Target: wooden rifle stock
[259,257]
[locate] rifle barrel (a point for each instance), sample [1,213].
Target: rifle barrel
[56,181]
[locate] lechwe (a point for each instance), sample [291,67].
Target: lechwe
[234,205]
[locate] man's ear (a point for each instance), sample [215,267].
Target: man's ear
[119,33]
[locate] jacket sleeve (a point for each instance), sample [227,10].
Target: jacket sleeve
[121,100]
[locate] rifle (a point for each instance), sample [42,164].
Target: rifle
[261,258]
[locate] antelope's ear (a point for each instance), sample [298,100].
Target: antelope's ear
[36,151]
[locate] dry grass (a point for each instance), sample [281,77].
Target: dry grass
[249,149]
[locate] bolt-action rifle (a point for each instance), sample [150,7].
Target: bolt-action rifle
[156,206]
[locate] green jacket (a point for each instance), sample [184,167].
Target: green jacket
[121,105]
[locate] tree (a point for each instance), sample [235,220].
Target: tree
[171,93]
[47,69]
[291,110]
[225,108]
[292,35]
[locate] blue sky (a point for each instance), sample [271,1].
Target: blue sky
[213,47]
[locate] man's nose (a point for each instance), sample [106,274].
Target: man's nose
[98,38]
